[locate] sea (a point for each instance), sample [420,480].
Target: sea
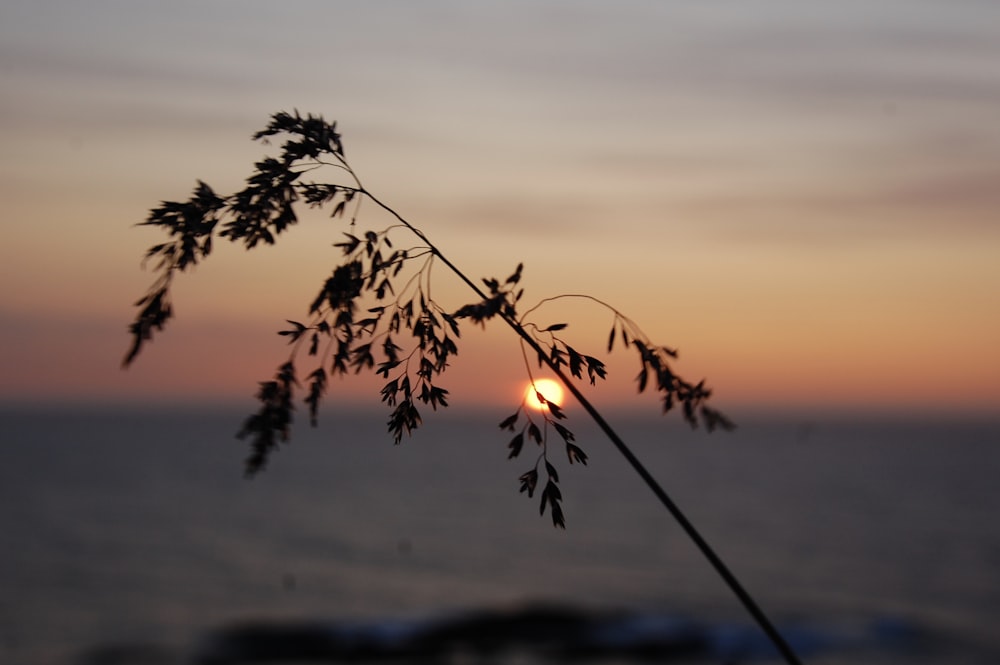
[131,535]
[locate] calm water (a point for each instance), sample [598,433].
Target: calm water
[137,528]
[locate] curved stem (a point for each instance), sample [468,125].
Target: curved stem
[564,296]
[720,567]
[636,331]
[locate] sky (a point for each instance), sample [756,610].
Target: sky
[802,197]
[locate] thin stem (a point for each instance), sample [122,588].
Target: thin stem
[571,295]
[636,331]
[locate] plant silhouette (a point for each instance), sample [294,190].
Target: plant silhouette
[375,313]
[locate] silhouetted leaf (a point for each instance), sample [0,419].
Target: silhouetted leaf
[295,333]
[515,445]
[437,396]
[389,391]
[558,520]
[362,357]
[713,420]
[564,432]
[272,422]
[643,378]
[452,323]
[317,387]
[534,433]
[555,409]
[386,367]
[529,481]
[595,369]
[350,245]
[575,362]
[384,287]
[391,349]
[552,496]
[575,454]
[154,314]
[403,420]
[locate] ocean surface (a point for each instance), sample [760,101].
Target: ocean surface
[131,536]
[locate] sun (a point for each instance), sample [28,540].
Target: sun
[550,389]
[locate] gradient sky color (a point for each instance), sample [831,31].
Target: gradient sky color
[803,197]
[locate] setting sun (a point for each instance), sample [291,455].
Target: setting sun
[550,389]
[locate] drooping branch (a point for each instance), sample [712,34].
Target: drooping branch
[375,313]
[376,294]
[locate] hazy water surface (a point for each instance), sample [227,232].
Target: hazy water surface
[138,527]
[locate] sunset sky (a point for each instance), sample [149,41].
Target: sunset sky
[803,197]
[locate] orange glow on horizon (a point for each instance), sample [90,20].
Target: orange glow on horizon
[837,252]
